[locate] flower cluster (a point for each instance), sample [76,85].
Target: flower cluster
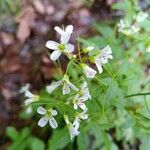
[127,28]
[77,101]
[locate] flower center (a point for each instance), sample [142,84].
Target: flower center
[61,47]
[48,113]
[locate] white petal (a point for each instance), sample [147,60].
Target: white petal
[52,45]
[72,86]
[55,55]
[59,30]
[53,123]
[107,48]
[54,112]
[90,48]
[69,29]
[43,121]
[73,132]
[28,94]
[41,110]
[65,38]
[89,72]
[28,101]
[66,89]
[24,88]
[69,48]
[99,65]
[82,106]
[76,123]
[75,106]
[53,86]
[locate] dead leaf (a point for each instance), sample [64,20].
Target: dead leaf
[39,6]
[25,20]
[7,38]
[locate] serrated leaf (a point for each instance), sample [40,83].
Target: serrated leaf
[59,139]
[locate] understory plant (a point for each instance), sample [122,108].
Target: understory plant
[102,97]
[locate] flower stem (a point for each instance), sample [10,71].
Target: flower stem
[137,94]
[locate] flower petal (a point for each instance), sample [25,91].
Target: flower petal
[53,123]
[55,55]
[65,38]
[53,86]
[69,48]
[28,94]
[75,106]
[76,123]
[41,110]
[82,106]
[43,121]
[73,132]
[28,101]
[72,86]
[24,88]
[59,30]
[69,29]
[52,45]
[99,65]
[66,89]
[54,112]
[89,72]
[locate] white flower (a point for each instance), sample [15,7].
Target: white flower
[82,115]
[48,117]
[77,102]
[84,92]
[73,130]
[24,88]
[102,58]
[30,98]
[89,72]
[126,28]
[88,49]
[82,96]
[141,16]
[63,46]
[67,85]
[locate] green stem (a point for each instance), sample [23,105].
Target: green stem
[137,94]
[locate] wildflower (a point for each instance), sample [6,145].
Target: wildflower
[82,96]
[126,28]
[24,88]
[30,98]
[89,72]
[88,49]
[102,58]
[141,16]
[77,102]
[63,46]
[48,117]
[79,117]
[73,130]
[67,85]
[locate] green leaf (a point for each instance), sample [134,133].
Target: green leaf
[120,6]
[59,139]
[37,144]
[12,133]
[145,145]
[82,141]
